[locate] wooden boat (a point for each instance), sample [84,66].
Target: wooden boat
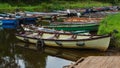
[75,27]
[72,23]
[84,20]
[66,40]
[76,20]
[43,13]
[40,29]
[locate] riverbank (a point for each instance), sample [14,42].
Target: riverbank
[111,25]
[56,5]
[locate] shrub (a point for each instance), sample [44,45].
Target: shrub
[109,25]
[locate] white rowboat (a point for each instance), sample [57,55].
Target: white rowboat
[66,40]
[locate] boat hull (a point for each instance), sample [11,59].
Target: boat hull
[89,27]
[11,22]
[100,44]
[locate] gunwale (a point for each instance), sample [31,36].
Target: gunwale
[86,39]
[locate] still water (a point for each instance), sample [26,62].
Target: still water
[14,54]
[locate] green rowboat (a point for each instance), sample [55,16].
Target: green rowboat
[75,27]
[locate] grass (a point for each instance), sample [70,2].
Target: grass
[56,5]
[108,25]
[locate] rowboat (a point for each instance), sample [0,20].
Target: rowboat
[35,28]
[66,40]
[77,19]
[43,13]
[75,27]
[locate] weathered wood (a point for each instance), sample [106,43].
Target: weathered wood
[98,62]
[80,60]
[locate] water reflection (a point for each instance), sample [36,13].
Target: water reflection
[55,57]
[55,62]
[14,54]
[7,58]
[69,54]
[31,59]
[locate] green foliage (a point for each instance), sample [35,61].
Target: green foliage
[37,2]
[54,5]
[109,24]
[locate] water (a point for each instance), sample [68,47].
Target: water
[14,54]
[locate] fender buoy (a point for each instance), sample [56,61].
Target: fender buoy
[39,44]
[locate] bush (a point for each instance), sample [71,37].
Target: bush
[109,25]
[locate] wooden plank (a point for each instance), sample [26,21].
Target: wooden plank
[98,62]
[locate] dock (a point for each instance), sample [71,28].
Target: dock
[97,62]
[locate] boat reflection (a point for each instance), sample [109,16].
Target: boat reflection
[68,54]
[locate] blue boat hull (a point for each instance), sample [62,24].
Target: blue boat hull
[9,22]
